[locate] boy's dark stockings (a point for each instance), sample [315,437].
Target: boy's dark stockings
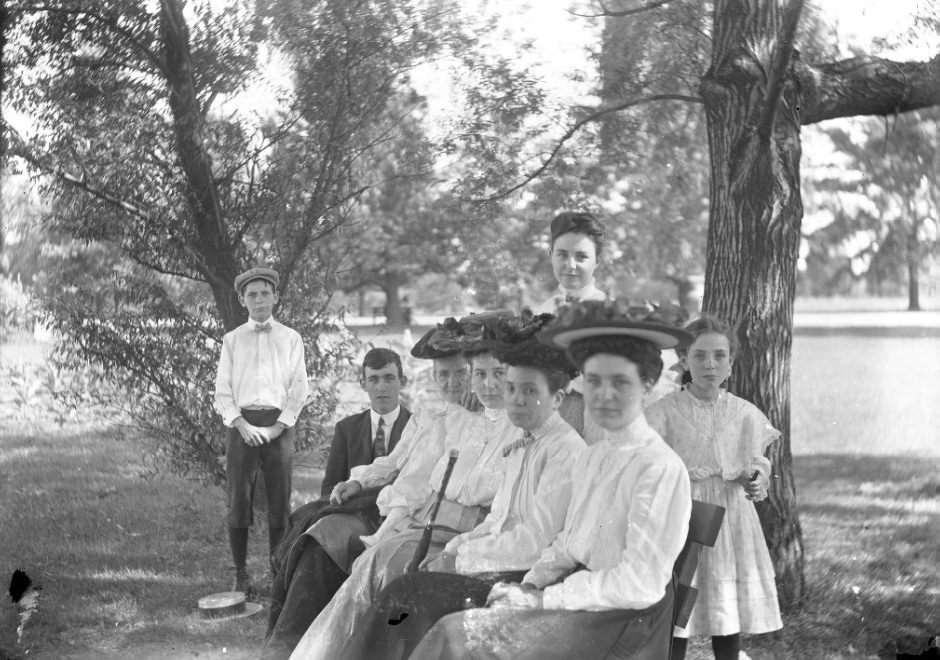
[725,647]
[275,536]
[238,541]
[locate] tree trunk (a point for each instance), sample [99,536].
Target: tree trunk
[213,257]
[753,241]
[393,312]
[913,282]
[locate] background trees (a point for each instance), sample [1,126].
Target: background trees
[757,91]
[162,140]
[144,133]
[881,196]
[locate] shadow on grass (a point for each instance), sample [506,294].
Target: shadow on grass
[121,560]
[870,526]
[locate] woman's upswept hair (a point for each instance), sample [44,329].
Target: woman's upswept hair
[574,222]
[644,354]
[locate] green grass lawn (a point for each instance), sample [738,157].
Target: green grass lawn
[122,560]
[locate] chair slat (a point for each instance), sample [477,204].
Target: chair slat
[704,523]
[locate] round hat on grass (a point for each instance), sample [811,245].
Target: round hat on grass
[227,605]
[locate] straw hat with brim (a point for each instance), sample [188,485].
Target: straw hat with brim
[659,325]
[466,334]
[227,605]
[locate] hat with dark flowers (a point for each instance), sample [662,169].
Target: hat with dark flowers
[514,341]
[464,335]
[424,351]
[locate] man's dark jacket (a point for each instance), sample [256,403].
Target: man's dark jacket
[352,446]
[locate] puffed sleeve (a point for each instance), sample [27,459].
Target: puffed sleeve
[522,544]
[384,469]
[658,522]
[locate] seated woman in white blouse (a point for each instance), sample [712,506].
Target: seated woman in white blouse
[603,587]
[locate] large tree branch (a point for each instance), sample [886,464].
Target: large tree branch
[867,86]
[17,147]
[619,13]
[783,53]
[577,126]
[217,262]
[110,21]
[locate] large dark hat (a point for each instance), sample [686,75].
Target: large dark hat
[424,351]
[514,341]
[464,335]
[257,273]
[658,324]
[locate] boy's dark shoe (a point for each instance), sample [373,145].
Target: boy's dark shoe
[242,581]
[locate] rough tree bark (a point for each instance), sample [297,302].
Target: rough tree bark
[757,95]
[753,238]
[214,257]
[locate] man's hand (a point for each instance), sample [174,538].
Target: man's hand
[344,490]
[253,436]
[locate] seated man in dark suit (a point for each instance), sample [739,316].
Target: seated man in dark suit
[361,438]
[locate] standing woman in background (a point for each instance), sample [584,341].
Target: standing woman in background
[577,244]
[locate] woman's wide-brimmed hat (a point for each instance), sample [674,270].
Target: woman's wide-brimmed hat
[660,325]
[424,351]
[464,335]
[514,341]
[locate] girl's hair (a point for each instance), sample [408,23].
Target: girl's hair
[703,325]
[573,222]
[644,354]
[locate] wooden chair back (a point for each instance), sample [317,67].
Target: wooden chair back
[704,524]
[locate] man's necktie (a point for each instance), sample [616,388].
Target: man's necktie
[522,442]
[569,298]
[263,327]
[378,445]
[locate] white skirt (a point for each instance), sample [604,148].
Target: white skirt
[735,579]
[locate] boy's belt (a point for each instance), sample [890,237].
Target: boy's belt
[261,417]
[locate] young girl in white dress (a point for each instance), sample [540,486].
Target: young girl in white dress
[722,439]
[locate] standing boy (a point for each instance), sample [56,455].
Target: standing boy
[260,389]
